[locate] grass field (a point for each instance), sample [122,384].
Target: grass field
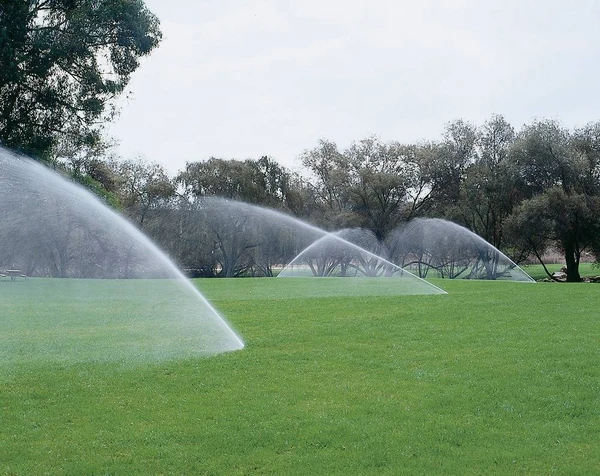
[492,378]
[537,272]
[123,321]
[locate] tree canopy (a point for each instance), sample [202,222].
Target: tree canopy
[62,65]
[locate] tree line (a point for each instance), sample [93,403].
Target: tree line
[524,192]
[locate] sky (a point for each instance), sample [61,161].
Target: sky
[241,79]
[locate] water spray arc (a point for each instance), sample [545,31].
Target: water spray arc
[143,307]
[256,226]
[373,266]
[440,248]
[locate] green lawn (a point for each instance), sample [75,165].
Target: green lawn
[536,271]
[492,378]
[124,321]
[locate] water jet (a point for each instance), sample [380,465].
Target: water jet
[99,289]
[433,247]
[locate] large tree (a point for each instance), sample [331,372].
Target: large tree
[142,187]
[62,65]
[557,173]
[488,192]
[380,179]
[329,183]
[568,222]
[452,157]
[261,182]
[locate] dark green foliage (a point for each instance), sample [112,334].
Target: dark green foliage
[142,187]
[261,181]
[62,63]
[555,218]
[488,192]
[557,174]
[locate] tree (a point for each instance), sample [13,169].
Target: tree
[452,156]
[568,221]
[142,186]
[217,177]
[423,186]
[272,182]
[182,231]
[261,182]
[89,165]
[543,157]
[586,146]
[379,184]
[243,244]
[329,182]
[62,65]
[557,172]
[488,192]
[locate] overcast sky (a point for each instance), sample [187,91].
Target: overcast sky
[241,79]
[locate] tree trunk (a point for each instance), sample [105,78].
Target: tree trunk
[572,261]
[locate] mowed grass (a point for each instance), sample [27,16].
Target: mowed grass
[492,378]
[126,321]
[536,271]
